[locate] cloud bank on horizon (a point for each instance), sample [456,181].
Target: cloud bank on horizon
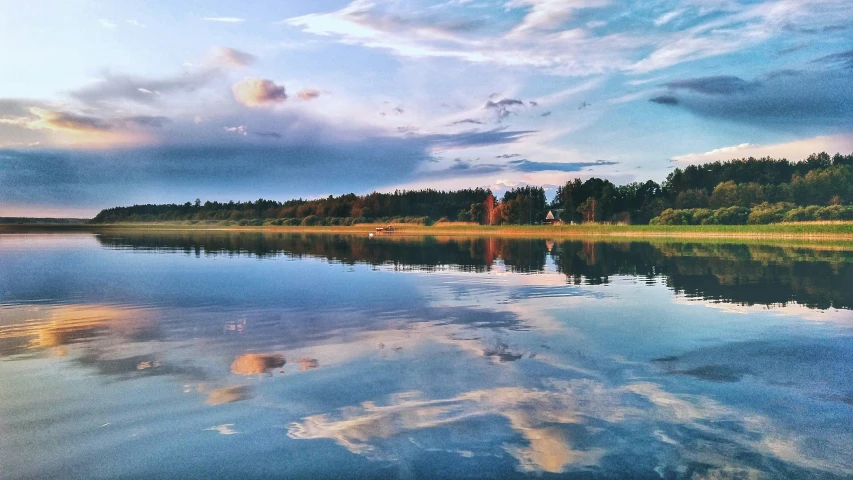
[109,106]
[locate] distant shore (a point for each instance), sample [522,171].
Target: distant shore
[814,231]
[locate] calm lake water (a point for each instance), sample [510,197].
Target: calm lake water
[242,355]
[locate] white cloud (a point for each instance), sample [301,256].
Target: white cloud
[225,19]
[240,130]
[106,23]
[795,150]
[549,14]
[667,17]
[548,37]
[566,52]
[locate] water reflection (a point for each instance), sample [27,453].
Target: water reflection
[256,363]
[395,357]
[736,273]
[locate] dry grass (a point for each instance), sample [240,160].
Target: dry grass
[839,231]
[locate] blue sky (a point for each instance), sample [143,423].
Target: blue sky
[115,103]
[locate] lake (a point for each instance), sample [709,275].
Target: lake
[250,355]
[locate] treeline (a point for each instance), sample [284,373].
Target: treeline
[739,191]
[763,190]
[414,206]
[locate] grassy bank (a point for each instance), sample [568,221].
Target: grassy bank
[838,231]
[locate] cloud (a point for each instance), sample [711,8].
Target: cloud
[122,87]
[548,14]
[664,100]
[497,136]
[117,87]
[65,121]
[840,59]
[503,107]
[546,34]
[135,23]
[735,27]
[308,94]
[508,155]
[240,129]
[225,19]
[466,120]
[719,85]
[256,92]
[667,17]
[282,154]
[461,167]
[794,150]
[817,98]
[503,103]
[109,25]
[530,166]
[424,35]
[275,135]
[231,57]
[545,114]
[145,121]
[75,123]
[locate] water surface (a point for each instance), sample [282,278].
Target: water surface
[242,355]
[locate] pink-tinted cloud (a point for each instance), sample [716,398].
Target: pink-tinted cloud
[231,57]
[257,92]
[308,94]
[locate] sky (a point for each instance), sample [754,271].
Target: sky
[119,103]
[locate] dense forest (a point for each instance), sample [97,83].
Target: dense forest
[740,191]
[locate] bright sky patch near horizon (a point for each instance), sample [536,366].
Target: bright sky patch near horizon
[116,103]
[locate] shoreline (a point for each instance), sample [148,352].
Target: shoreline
[810,231]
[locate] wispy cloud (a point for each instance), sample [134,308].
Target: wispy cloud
[546,15]
[308,94]
[572,52]
[123,87]
[231,57]
[546,38]
[473,121]
[225,19]
[531,166]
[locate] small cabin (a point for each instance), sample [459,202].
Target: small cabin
[553,217]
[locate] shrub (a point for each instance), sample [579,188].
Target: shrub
[312,220]
[700,215]
[765,213]
[731,216]
[672,216]
[834,212]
